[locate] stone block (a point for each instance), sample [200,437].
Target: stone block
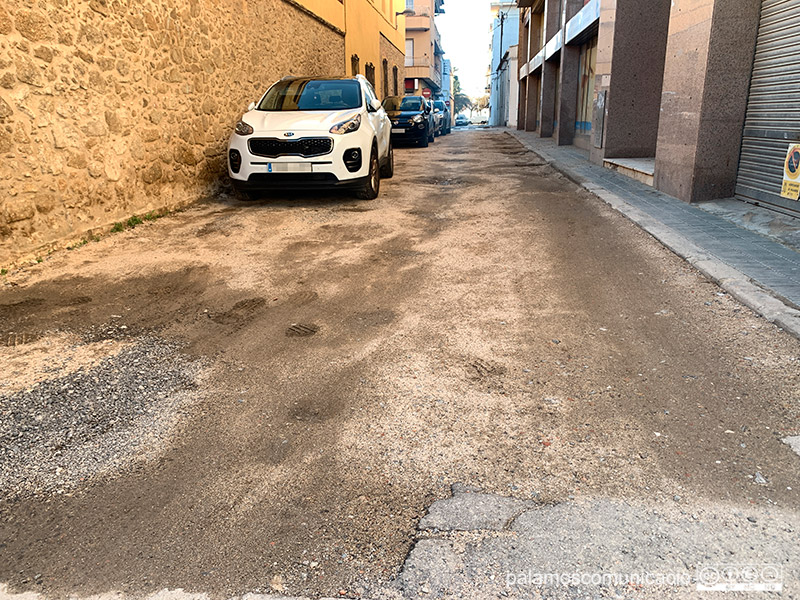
[45,53]
[95,128]
[28,71]
[6,141]
[6,25]
[152,174]
[5,110]
[34,25]
[18,209]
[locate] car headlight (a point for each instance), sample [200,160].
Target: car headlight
[243,128]
[417,119]
[352,124]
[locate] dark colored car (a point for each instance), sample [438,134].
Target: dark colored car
[412,119]
[446,126]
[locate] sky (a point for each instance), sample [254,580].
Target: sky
[465,38]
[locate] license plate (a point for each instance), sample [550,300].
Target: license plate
[287,167]
[398,130]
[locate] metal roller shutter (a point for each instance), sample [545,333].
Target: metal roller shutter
[773,109]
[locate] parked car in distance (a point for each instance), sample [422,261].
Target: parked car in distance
[461,120]
[411,118]
[445,127]
[308,132]
[438,119]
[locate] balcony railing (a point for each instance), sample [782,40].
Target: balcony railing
[422,67]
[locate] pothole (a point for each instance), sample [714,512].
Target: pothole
[441,181]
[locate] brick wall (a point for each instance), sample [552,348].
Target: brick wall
[115,107]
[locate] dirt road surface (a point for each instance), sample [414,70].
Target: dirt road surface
[268,396]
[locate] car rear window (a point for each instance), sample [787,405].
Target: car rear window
[312,94]
[439,104]
[398,103]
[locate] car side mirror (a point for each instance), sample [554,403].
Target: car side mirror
[427,110]
[436,110]
[251,106]
[374,105]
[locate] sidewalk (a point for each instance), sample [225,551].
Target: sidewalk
[757,270]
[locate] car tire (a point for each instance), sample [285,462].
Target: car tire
[432,136]
[387,170]
[372,186]
[423,143]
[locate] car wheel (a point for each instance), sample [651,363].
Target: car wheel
[432,136]
[373,183]
[423,143]
[387,170]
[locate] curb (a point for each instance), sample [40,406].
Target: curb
[737,284]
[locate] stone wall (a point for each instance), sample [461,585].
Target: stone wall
[114,107]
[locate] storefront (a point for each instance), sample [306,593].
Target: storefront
[772,125]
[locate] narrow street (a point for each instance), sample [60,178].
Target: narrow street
[269,396]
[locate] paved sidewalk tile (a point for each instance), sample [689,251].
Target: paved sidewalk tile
[764,260]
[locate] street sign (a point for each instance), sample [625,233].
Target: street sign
[426,92]
[447,103]
[791,174]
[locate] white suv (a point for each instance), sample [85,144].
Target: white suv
[309,132]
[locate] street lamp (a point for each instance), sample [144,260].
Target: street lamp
[409,12]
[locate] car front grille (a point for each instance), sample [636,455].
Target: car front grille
[289,178]
[272,148]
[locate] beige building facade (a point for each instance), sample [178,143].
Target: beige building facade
[423,52]
[374,43]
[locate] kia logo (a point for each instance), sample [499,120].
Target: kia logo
[288,134]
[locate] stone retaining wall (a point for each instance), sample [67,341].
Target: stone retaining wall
[114,107]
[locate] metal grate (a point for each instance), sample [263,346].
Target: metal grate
[272,148]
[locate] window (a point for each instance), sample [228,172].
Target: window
[369,72]
[409,103]
[385,76]
[588,63]
[354,60]
[370,93]
[312,94]
[409,4]
[395,80]
[409,52]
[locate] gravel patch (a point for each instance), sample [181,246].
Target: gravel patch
[98,419]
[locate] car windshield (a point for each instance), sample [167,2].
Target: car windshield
[398,103]
[312,94]
[439,104]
